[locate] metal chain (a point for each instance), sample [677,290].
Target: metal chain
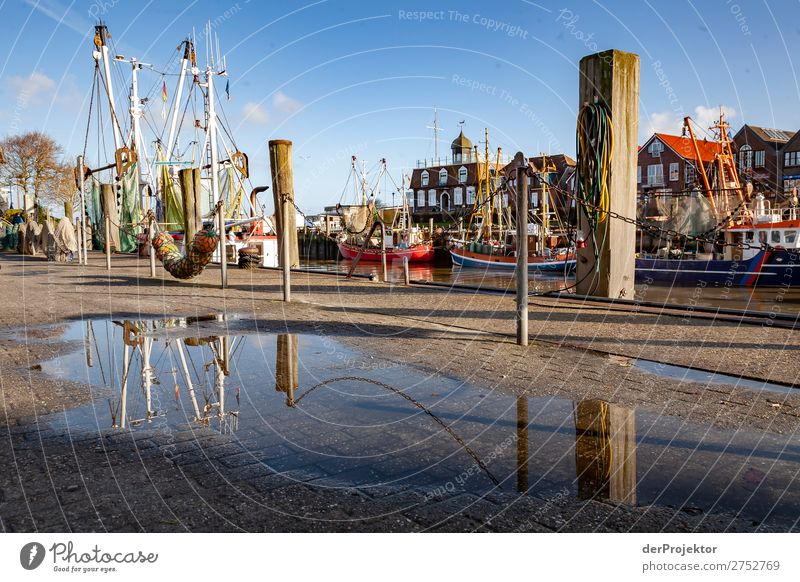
[703,237]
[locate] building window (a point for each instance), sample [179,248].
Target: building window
[656,148]
[420,198]
[674,172]
[745,157]
[655,175]
[791,159]
[790,184]
[458,196]
[410,198]
[457,157]
[425,177]
[462,174]
[431,197]
[443,177]
[689,169]
[638,174]
[470,194]
[759,161]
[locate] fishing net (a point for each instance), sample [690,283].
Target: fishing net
[129,213]
[356,218]
[171,197]
[198,255]
[95,212]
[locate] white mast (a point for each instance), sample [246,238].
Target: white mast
[188,54]
[212,142]
[100,33]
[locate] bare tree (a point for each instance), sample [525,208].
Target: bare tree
[32,162]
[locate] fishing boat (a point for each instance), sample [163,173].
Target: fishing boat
[491,233]
[464,257]
[752,244]
[396,239]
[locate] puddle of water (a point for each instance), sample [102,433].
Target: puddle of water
[703,377]
[308,406]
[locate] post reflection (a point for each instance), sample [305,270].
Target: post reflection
[605,451]
[522,444]
[286,366]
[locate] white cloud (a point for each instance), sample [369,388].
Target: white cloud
[663,122]
[285,104]
[705,117]
[255,112]
[36,87]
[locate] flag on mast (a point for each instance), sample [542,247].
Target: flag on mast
[164,99]
[228,89]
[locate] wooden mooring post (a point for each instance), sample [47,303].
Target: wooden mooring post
[280,159]
[611,79]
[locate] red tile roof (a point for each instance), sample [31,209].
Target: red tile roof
[683,147]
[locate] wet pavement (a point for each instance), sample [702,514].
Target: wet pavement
[310,410]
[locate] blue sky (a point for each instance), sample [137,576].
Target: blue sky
[341,78]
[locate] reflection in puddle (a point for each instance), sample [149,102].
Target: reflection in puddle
[320,412]
[605,451]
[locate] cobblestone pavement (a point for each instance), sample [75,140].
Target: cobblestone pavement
[198,480]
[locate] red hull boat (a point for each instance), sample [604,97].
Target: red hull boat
[420,253]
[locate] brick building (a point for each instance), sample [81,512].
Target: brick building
[445,187]
[759,157]
[790,166]
[668,164]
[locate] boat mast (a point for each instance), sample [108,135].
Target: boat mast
[489,207]
[100,35]
[211,130]
[436,129]
[136,139]
[188,56]
[701,167]
[544,175]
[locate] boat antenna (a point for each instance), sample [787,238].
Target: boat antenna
[436,129]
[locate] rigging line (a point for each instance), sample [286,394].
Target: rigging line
[417,404]
[91,106]
[113,111]
[182,118]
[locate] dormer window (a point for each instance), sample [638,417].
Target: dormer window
[656,148]
[425,178]
[462,174]
[746,157]
[443,177]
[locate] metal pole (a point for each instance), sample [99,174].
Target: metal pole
[406,274]
[286,252]
[522,250]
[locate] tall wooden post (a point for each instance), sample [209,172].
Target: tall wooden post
[81,222]
[522,249]
[280,159]
[611,78]
[109,207]
[190,191]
